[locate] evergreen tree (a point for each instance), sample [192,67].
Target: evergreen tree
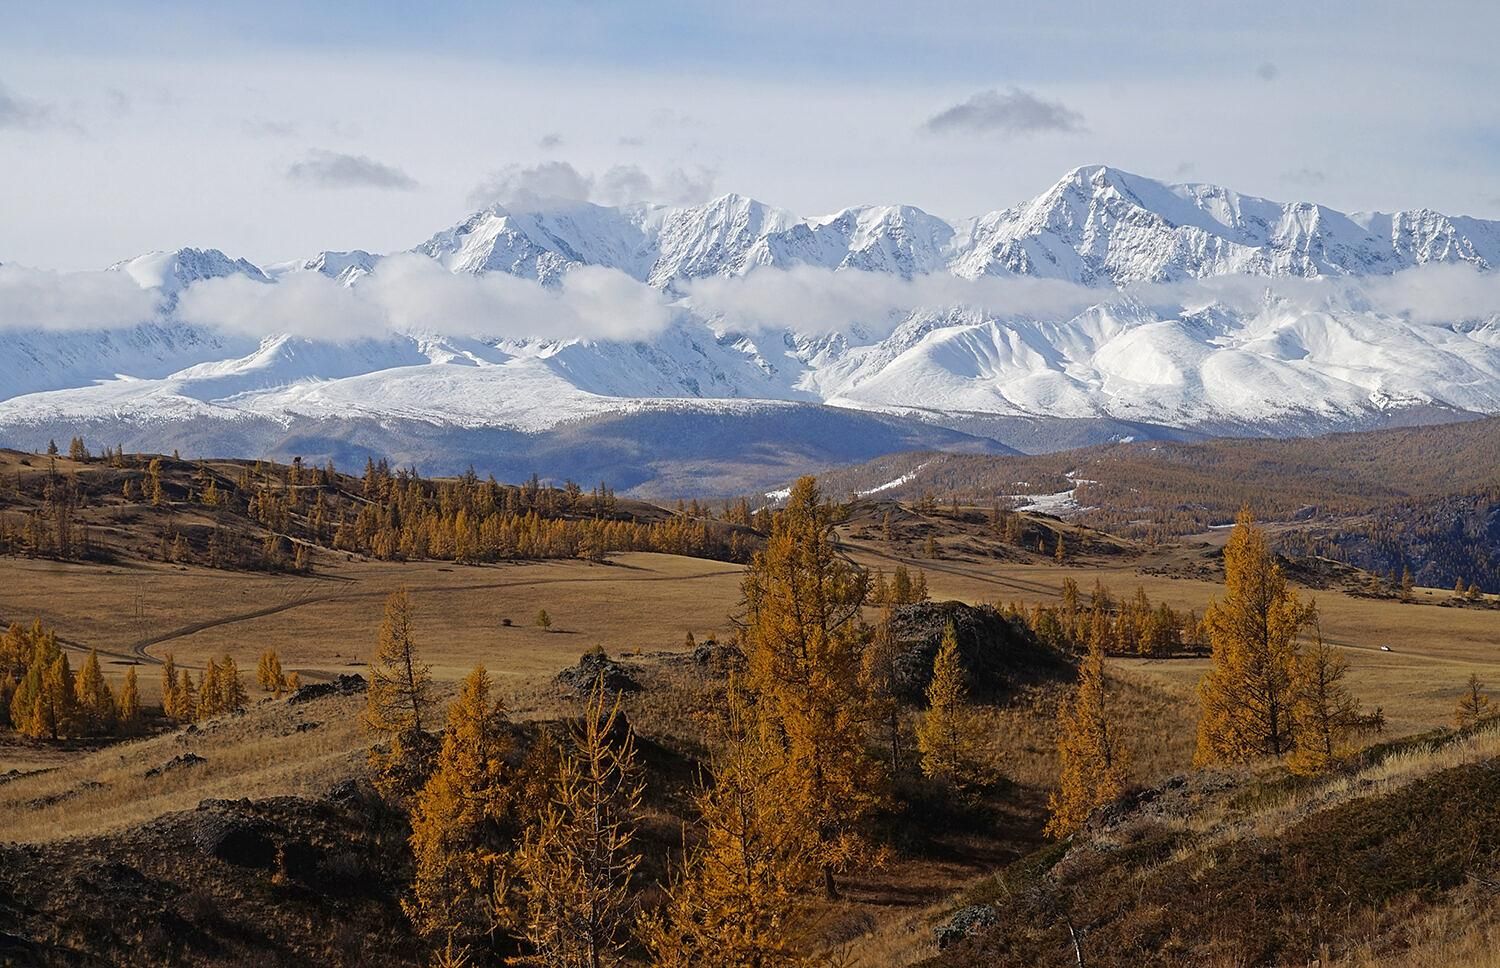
[1247,695]
[803,640]
[1090,759]
[946,732]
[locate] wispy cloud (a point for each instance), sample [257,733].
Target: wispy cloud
[23,113]
[270,128]
[333,169]
[1014,112]
[1305,176]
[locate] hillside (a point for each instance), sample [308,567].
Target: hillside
[1425,498]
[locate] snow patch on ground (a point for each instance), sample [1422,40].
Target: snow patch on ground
[906,478]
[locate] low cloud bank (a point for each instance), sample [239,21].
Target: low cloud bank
[822,300]
[411,293]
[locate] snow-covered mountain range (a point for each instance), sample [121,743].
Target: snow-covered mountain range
[1160,332]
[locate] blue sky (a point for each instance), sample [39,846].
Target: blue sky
[273,130]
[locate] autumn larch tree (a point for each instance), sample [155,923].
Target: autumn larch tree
[461,821]
[95,702]
[1248,694]
[574,866]
[1473,705]
[946,732]
[268,672]
[803,638]
[128,705]
[734,901]
[399,704]
[1325,711]
[1091,762]
[880,680]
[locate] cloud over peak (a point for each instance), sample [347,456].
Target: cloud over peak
[1015,112]
[525,186]
[334,169]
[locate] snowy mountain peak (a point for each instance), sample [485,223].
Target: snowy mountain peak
[172,271]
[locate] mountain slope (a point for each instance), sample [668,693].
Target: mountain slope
[1164,361]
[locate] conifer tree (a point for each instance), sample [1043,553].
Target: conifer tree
[462,820]
[1473,705]
[543,620]
[268,672]
[803,638]
[879,676]
[399,704]
[1326,713]
[734,901]
[128,706]
[209,693]
[1247,695]
[1059,552]
[1090,758]
[171,690]
[919,586]
[232,696]
[946,732]
[95,703]
[574,866]
[51,448]
[187,697]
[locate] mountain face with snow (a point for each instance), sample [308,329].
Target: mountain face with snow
[1173,361]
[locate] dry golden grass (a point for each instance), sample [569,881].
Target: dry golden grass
[326,624]
[259,753]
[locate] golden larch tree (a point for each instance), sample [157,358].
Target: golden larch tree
[1473,705]
[1327,714]
[128,705]
[573,870]
[803,639]
[461,822]
[947,731]
[1248,693]
[734,902]
[880,679]
[399,704]
[96,704]
[1091,761]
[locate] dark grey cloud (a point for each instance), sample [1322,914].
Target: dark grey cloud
[549,141]
[1267,71]
[1014,112]
[22,113]
[1305,176]
[333,169]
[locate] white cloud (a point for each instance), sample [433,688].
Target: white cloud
[411,293]
[821,300]
[550,182]
[43,299]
